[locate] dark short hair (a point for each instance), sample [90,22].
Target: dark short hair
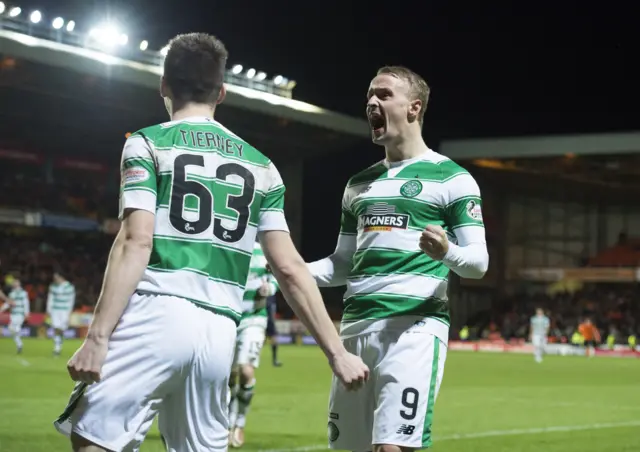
[418,87]
[194,68]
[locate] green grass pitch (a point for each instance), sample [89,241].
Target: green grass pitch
[487,403]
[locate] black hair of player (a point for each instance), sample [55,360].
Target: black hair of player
[194,68]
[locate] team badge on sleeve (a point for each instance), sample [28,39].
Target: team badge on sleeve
[474,210]
[135,175]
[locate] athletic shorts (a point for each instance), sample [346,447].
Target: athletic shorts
[166,357]
[15,323]
[396,405]
[248,346]
[539,341]
[60,320]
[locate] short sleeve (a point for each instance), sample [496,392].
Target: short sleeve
[272,209]
[138,186]
[464,207]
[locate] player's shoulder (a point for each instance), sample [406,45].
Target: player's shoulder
[368,175]
[442,167]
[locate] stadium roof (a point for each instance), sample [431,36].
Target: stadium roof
[543,146]
[92,62]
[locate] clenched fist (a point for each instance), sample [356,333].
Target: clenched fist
[434,242]
[350,370]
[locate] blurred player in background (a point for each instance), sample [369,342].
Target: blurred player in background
[539,333]
[251,335]
[60,303]
[163,333]
[272,333]
[591,336]
[406,222]
[19,306]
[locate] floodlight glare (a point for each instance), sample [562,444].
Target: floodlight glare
[71,26]
[2,7]
[261,76]
[164,51]
[278,79]
[123,39]
[236,69]
[35,17]
[15,11]
[144,45]
[57,23]
[251,73]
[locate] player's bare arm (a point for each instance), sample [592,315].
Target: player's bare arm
[303,296]
[128,258]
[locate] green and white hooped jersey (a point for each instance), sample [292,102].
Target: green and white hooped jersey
[21,297]
[211,192]
[540,325]
[62,297]
[253,305]
[385,208]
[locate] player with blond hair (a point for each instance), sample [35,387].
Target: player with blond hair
[407,221]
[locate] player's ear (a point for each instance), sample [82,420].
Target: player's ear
[222,94]
[414,110]
[164,88]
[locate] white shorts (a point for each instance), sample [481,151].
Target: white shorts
[167,357]
[396,405]
[15,323]
[539,341]
[248,346]
[60,320]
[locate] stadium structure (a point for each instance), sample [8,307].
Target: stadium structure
[561,216]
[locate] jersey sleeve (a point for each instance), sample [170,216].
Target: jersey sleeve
[272,209]
[464,204]
[138,187]
[333,270]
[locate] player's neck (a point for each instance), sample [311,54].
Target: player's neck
[406,148]
[191,110]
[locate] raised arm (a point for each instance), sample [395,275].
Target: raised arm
[334,269]
[468,258]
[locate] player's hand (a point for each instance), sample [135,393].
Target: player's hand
[265,290]
[434,242]
[86,363]
[350,370]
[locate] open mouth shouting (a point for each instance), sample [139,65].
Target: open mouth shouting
[377,123]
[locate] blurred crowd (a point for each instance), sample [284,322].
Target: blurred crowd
[32,255]
[614,309]
[74,192]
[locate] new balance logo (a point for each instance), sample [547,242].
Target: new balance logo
[406,429]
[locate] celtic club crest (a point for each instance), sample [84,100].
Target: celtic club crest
[411,189]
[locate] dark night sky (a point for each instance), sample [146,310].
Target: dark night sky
[495,68]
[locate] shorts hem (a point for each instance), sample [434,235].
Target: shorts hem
[402,444]
[89,437]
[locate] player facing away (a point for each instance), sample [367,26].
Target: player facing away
[19,306]
[193,198]
[539,333]
[251,336]
[406,222]
[60,302]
